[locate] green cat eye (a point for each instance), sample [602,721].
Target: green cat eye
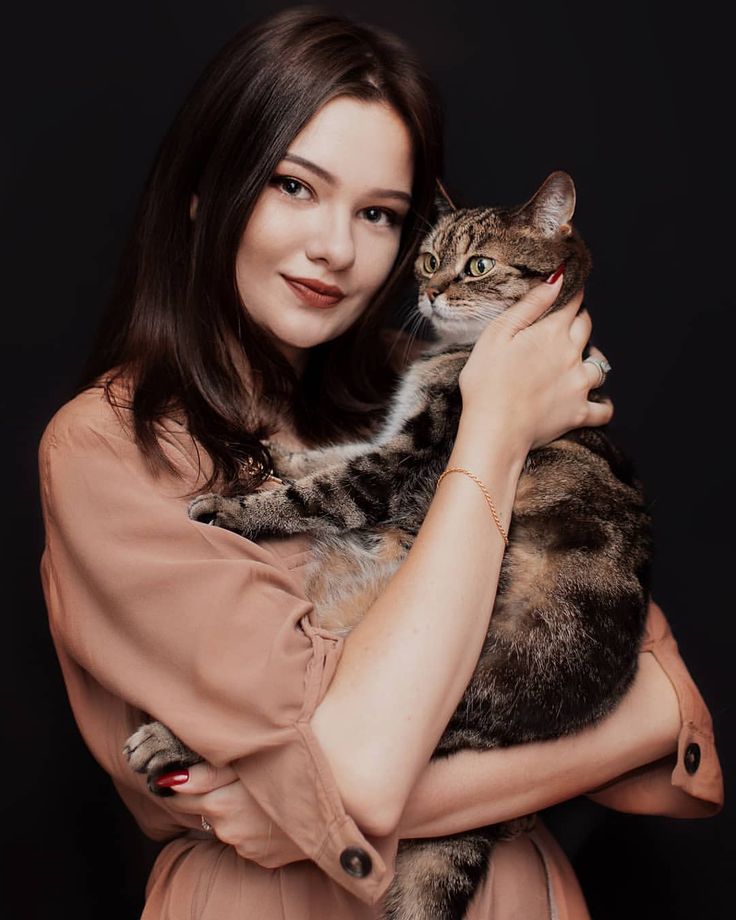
[430,263]
[479,265]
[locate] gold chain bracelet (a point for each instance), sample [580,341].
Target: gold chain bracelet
[486,493]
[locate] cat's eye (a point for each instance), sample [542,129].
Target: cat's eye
[430,263]
[478,266]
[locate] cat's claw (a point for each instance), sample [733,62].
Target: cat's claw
[218,510]
[203,507]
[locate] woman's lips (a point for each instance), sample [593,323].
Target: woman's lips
[310,296]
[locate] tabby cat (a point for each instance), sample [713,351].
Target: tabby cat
[568,618]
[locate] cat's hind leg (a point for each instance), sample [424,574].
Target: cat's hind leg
[437,878]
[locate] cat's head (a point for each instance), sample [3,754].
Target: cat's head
[477,262]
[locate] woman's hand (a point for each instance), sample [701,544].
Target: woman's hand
[216,795]
[528,378]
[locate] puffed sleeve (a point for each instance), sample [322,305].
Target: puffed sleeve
[210,633]
[688,784]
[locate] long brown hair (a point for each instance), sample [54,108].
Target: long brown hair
[176,315]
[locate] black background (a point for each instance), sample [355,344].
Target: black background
[633,101]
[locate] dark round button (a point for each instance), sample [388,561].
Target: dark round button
[356,862]
[692,757]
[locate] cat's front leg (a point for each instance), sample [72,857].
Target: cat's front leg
[246,515]
[155,750]
[296,464]
[317,504]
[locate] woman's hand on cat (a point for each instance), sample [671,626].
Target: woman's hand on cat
[528,378]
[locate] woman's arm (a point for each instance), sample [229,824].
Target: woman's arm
[157,616]
[473,788]
[632,753]
[405,666]
[655,754]
[690,785]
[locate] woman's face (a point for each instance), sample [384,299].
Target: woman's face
[330,217]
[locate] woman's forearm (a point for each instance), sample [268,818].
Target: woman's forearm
[473,788]
[405,666]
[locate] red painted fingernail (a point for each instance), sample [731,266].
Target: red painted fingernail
[556,274]
[173,779]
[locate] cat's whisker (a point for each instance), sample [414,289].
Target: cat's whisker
[396,341]
[414,321]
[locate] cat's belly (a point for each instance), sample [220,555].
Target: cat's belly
[346,575]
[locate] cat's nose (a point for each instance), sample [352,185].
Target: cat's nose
[431,293]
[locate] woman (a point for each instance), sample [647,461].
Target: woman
[280,219]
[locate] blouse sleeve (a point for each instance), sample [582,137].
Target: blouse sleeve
[153,613]
[689,784]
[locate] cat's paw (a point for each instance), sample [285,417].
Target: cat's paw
[279,455]
[220,511]
[155,750]
[291,465]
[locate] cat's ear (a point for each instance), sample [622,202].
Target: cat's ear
[443,204]
[549,211]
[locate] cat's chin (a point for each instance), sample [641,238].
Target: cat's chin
[456,332]
[449,328]
[459,341]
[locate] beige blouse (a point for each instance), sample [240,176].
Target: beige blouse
[211,633]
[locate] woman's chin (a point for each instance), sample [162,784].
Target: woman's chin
[303,336]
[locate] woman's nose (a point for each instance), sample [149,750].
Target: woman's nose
[332,241]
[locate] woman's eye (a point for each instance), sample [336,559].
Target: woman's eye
[291,187]
[479,265]
[430,263]
[381,216]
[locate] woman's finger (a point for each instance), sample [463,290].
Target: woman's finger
[213,804]
[580,329]
[596,373]
[574,303]
[600,413]
[531,306]
[565,315]
[197,779]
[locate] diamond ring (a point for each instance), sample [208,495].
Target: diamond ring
[603,368]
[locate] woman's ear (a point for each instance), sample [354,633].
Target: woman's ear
[193,206]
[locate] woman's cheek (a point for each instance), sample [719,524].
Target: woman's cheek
[379,261]
[273,226]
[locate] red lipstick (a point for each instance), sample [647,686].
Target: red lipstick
[313,292]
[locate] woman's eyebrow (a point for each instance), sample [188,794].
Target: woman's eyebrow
[328,177]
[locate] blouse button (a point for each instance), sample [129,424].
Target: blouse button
[356,862]
[692,757]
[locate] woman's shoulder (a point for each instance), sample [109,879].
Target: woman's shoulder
[102,409]
[96,428]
